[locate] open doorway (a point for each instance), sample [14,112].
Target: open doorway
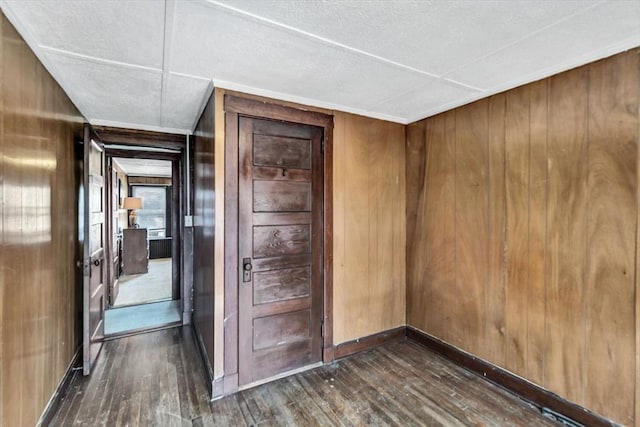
[143,281]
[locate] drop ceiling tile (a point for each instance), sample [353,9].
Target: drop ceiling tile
[109,92]
[145,167]
[181,100]
[599,32]
[262,56]
[124,31]
[433,36]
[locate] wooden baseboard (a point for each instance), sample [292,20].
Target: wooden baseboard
[365,343]
[548,402]
[61,391]
[206,366]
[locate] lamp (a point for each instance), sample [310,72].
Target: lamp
[131,204]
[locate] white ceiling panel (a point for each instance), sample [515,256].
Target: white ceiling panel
[182,100]
[598,32]
[122,31]
[144,167]
[111,93]
[433,36]
[288,63]
[148,64]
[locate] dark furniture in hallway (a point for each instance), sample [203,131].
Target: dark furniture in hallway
[135,251]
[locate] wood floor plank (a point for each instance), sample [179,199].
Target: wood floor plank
[157,379]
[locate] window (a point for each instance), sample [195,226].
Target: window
[153,215]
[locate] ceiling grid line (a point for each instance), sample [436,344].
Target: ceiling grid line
[335,43]
[525,37]
[152,64]
[169,13]
[97,60]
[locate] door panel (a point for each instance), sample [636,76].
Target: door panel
[280,236]
[114,266]
[279,151]
[269,241]
[281,196]
[278,285]
[94,253]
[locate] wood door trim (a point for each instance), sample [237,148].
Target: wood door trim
[235,107]
[142,138]
[177,179]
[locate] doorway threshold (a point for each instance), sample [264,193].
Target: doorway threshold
[130,319]
[281,375]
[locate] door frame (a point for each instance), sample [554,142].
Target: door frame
[176,206]
[235,107]
[90,138]
[175,148]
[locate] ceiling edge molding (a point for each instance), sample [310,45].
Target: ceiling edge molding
[222,84]
[125,125]
[42,57]
[611,50]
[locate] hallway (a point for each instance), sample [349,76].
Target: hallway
[156,379]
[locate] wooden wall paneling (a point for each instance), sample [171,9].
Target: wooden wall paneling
[517,231]
[369,194]
[2,218]
[536,308]
[38,125]
[352,314]
[203,232]
[566,234]
[429,254]
[219,234]
[637,275]
[450,223]
[471,227]
[340,307]
[231,258]
[415,173]
[495,330]
[396,183]
[560,179]
[612,206]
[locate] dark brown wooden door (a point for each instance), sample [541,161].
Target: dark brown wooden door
[94,251]
[280,241]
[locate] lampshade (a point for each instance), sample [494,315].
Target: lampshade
[132,203]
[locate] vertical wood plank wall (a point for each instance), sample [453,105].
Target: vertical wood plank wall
[369,226]
[39,188]
[521,232]
[203,229]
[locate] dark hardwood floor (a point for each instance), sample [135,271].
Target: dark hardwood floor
[156,379]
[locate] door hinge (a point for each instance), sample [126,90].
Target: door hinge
[322,328]
[322,146]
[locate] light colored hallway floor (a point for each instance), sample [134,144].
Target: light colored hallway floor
[125,319]
[142,288]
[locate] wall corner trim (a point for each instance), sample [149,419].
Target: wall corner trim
[530,392]
[371,341]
